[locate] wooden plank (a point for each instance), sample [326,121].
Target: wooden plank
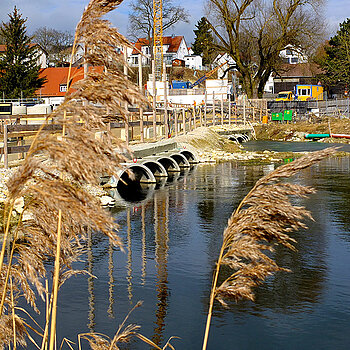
[7,117]
[33,127]
[14,149]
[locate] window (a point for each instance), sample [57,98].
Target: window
[304,92]
[63,87]
[294,60]
[288,52]
[135,60]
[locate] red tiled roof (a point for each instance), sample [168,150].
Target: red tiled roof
[173,42]
[57,76]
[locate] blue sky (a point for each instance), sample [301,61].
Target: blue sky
[64,14]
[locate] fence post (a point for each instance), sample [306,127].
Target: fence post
[205,108]
[200,115]
[222,109]
[244,112]
[6,161]
[175,121]
[229,109]
[183,121]
[235,111]
[213,108]
[194,117]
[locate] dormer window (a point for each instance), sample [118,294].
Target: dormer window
[63,87]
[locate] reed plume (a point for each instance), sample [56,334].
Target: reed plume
[263,219]
[53,176]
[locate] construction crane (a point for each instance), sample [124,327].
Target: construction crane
[158,38]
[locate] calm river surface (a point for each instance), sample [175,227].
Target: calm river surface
[171,244]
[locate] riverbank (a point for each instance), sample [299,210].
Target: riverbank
[296,132]
[212,147]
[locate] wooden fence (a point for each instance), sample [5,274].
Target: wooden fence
[141,125]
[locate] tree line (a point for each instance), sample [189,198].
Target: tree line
[252,32]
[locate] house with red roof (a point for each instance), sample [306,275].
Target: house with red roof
[55,88]
[174,47]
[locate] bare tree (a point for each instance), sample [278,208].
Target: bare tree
[54,42]
[141,18]
[254,32]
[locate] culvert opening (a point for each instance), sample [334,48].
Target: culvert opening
[134,187]
[156,168]
[189,156]
[181,160]
[169,164]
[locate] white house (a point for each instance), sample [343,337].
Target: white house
[293,55]
[40,54]
[193,62]
[174,47]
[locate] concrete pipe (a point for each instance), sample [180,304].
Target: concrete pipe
[190,156]
[181,160]
[156,168]
[169,164]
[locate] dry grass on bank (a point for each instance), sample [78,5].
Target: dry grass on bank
[206,139]
[283,132]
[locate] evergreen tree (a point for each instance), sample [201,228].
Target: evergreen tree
[19,72]
[336,62]
[203,41]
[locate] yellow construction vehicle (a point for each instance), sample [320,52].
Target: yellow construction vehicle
[285,96]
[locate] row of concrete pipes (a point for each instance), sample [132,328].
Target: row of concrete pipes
[150,169]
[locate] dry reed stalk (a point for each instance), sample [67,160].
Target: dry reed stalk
[55,170]
[263,219]
[124,333]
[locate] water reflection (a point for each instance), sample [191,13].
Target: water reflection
[91,324]
[171,243]
[129,254]
[110,310]
[161,231]
[143,254]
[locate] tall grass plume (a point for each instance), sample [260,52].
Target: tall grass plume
[264,219]
[53,176]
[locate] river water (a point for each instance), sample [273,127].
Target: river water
[171,243]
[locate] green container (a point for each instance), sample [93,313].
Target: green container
[277,116]
[288,115]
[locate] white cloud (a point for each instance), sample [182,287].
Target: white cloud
[337,11]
